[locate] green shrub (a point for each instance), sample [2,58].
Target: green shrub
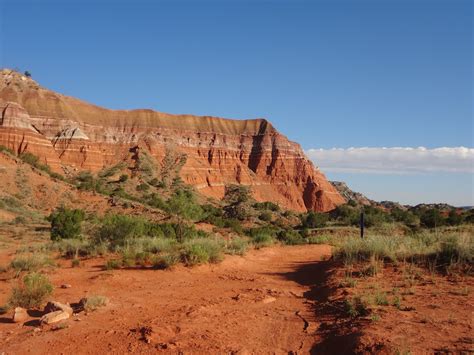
[442,251]
[4,149]
[265,216]
[31,262]
[200,251]
[123,178]
[291,237]
[237,199]
[357,307]
[431,218]
[113,264]
[166,261]
[32,292]
[237,246]
[319,239]
[118,229]
[92,303]
[183,204]
[270,206]
[66,223]
[143,187]
[314,220]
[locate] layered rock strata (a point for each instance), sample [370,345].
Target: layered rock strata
[69,134]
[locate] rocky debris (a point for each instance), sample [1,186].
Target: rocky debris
[54,317]
[58,306]
[66,286]
[20,315]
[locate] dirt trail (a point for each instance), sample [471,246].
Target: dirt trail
[253,304]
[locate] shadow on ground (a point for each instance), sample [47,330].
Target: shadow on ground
[337,333]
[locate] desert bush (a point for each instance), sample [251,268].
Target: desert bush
[117,229]
[92,303]
[314,220]
[431,218]
[31,262]
[166,260]
[113,264]
[442,251]
[269,206]
[108,172]
[183,203]
[237,199]
[356,307]
[290,237]
[123,178]
[200,251]
[262,240]
[320,239]
[4,149]
[66,223]
[237,246]
[143,187]
[265,216]
[32,292]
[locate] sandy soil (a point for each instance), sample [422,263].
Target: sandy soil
[250,304]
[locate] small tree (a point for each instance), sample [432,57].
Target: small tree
[314,220]
[66,223]
[27,74]
[237,198]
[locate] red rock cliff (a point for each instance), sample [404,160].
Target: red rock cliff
[70,134]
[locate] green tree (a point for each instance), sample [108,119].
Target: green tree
[454,218]
[237,199]
[431,218]
[314,220]
[66,223]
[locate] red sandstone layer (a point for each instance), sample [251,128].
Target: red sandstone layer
[70,134]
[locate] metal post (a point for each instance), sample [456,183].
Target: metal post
[361,223]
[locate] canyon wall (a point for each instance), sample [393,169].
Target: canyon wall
[71,135]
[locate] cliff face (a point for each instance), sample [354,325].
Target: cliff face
[69,134]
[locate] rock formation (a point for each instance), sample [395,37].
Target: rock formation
[72,135]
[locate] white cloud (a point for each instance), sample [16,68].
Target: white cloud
[399,160]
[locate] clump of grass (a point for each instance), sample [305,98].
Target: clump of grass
[166,261]
[381,299]
[445,252]
[32,292]
[262,240]
[356,307]
[237,246]
[113,264]
[75,262]
[319,239]
[31,262]
[397,303]
[92,303]
[201,251]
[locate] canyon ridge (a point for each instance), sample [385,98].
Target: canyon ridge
[71,135]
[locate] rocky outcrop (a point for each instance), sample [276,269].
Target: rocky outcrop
[70,134]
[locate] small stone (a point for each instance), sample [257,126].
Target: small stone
[58,306]
[20,315]
[269,299]
[54,317]
[36,330]
[66,286]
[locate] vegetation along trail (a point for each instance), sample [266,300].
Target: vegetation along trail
[248,304]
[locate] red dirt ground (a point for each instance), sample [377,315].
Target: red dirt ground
[274,300]
[250,304]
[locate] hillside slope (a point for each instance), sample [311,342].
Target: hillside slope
[71,135]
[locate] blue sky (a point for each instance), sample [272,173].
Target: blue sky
[327,73]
